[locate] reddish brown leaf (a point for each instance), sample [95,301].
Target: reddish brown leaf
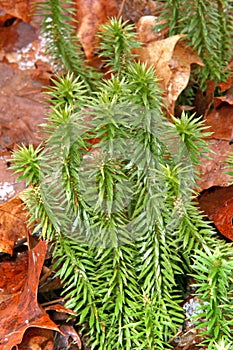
[60,308]
[21,108]
[20,310]
[13,224]
[224,219]
[37,339]
[70,332]
[217,204]
[221,122]
[225,85]
[227,99]
[13,275]
[17,8]
[16,37]
[92,13]
[213,171]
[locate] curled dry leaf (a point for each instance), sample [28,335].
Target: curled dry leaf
[20,310]
[13,224]
[172,61]
[92,13]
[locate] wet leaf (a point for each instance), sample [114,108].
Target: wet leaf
[90,14]
[213,170]
[21,108]
[13,224]
[20,310]
[217,203]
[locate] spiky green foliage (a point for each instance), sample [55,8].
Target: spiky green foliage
[58,19]
[123,36]
[114,195]
[230,164]
[208,28]
[215,286]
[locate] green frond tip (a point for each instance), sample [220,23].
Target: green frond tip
[117,40]
[62,45]
[26,160]
[143,85]
[67,90]
[192,131]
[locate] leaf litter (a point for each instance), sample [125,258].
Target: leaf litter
[24,70]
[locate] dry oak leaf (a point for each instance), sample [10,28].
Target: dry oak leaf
[91,14]
[20,309]
[172,61]
[13,224]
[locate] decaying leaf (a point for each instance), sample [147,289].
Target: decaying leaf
[92,13]
[20,310]
[213,170]
[21,107]
[13,224]
[217,204]
[37,339]
[172,61]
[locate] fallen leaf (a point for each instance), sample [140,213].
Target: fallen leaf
[90,14]
[13,276]
[17,8]
[213,171]
[21,107]
[221,122]
[226,99]
[37,339]
[69,332]
[20,310]
[172,61]
[217,204]
[13,224]
[146,32]
[16,36]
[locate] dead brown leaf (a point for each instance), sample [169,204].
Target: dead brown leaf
[20,310]
[213,170]
[37,339]
[217,203]
[17,8]
[21,107]
[172,61]
[13,224]
[221,122]
[90,14]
